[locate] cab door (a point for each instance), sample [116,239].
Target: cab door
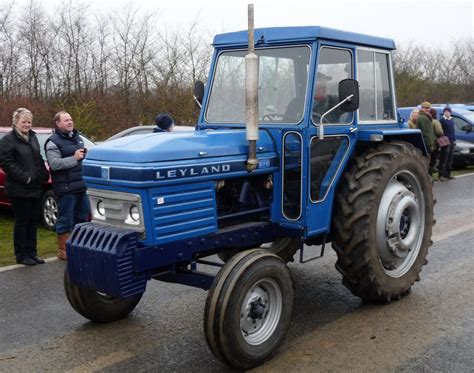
[326,157]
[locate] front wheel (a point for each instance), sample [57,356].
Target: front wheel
[284,247]
[383,220]
[248,309]
[96,306]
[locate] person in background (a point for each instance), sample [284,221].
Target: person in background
[413,117]
[438,131]
[424,123]
[447,152]
[26,173]
[65,151]
[164,123]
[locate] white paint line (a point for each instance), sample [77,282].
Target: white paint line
[459,176]
[453,232]
[15,266]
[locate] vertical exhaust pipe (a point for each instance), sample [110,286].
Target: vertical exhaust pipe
[251,95]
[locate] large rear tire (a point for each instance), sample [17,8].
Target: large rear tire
[96,306]
[248,309]
[382,223]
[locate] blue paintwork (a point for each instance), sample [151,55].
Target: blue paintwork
[109,254]
[304,34]
[173,146]
[175,175]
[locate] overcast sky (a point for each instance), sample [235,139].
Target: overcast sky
[427,22]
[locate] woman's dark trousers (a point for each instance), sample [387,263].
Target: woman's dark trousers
[27,212]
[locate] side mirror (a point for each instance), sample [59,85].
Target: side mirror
[466,128]
[198,92]
[348,87]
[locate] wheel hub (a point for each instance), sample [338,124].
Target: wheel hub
[257,309]
[260,311]
[400,232]
[399,225]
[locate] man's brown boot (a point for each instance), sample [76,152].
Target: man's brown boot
[62,238]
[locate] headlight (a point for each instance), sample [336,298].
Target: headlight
[134,213]
[133,216]
[100,208]
[97,208]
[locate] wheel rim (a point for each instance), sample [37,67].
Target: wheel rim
[261,311]
[400,224]
[50,211]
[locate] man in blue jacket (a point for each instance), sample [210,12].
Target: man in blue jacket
[447,152]
[65,151]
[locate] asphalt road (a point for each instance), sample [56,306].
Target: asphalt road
[431,330]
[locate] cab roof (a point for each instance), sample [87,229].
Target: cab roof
[273,35]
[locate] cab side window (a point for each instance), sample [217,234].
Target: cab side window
[376,93]
[334,65]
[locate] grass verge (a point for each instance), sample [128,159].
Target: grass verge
[47,246]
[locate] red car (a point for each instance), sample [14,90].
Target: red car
[49,207]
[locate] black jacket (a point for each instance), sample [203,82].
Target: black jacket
[23,165]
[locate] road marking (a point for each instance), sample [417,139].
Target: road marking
[458,176]
[15,266]
[452,232]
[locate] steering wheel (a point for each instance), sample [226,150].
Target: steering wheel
[278,117]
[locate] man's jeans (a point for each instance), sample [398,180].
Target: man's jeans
[73,208]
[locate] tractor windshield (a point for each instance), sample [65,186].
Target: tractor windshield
[282,85]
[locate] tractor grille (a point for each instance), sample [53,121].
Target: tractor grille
[183,211]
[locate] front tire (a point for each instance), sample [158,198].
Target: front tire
[383,219]
[284,247]
[96,306]
[248,309]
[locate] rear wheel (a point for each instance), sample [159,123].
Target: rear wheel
[96,306]
[383,221]
[248,309]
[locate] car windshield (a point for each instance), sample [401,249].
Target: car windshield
[469,117]
[282,85]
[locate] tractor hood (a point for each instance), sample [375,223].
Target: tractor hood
[174,146]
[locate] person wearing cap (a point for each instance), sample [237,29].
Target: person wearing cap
[323,101]
[164,123]
[447,152]
[424,123]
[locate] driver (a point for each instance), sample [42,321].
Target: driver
[322,101]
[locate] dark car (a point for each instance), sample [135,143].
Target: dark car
[49,207]
[141,130]
[463,154]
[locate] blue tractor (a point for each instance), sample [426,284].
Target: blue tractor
[323,159]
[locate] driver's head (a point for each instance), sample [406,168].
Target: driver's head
[321,92]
